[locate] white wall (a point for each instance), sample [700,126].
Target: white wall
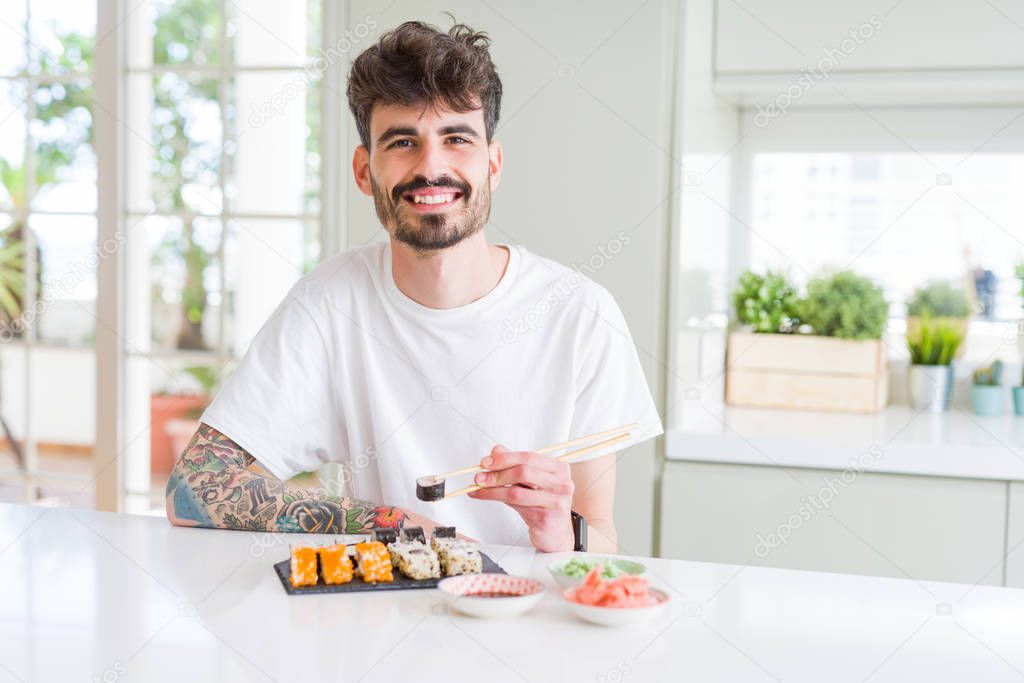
[767,36]
[585,137]
[709,133]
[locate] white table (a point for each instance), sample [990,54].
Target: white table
[97,596]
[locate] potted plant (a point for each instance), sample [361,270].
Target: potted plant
[987,392]
[1018,398]
[942,303]
[175,418]
[832,357]
[933,345]
[766,303]
[845,305]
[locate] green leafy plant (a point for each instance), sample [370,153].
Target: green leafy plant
[934,342]
[61,131]
[845,305]
[1018,272]
[205,375]
[12,278]
[989,375]
[939,299]
[766,302]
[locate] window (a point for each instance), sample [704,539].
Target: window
[903,195]
[48,223]
[223,204]
[886,215]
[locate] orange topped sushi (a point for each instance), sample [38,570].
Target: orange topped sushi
[303,567]
[335,564]
[374,562]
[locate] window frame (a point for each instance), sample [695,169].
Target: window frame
[122,470]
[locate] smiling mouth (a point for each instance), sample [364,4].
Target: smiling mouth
[435,199]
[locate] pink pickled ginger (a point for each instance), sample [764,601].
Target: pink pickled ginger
[624,591]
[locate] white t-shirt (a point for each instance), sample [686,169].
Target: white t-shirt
[349,369]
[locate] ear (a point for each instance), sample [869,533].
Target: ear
[361,170]
[494,165]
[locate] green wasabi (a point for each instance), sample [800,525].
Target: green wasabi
[577,568]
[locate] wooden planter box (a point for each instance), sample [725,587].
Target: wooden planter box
[806,372]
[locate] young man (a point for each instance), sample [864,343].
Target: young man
[418,354]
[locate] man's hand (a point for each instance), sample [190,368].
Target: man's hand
[536,486]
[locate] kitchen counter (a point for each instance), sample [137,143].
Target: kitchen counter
[99,596]
[956,443]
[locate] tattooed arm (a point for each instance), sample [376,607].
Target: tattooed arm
[217,484]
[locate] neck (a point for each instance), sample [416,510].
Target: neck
[450,277]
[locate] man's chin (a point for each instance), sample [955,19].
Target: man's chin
[432,232]
[424,243]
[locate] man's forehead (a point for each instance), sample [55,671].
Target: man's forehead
[424,119]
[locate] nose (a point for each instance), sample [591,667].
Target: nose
[431,162]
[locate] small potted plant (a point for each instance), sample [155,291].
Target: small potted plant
[933,345]
[844,305]
[987,393]
[821,352]
[1018,398]
[942,303]
[766,303]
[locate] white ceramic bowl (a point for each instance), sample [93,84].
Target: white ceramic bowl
[619,616]
[473,594]
[630,567]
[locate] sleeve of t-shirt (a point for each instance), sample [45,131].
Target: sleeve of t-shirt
[611,389]
[278,404]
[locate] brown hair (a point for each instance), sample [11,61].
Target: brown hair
[416,63]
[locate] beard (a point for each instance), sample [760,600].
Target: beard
[432,231]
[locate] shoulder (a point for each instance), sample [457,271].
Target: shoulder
[571,283]
[346,273]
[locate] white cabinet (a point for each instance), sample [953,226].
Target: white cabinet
[768,36]
[1015,536]
[926,528]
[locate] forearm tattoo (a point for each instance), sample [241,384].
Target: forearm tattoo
[217,484]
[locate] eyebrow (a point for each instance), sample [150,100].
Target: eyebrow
[397,131]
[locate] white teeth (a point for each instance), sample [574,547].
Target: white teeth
[432,198]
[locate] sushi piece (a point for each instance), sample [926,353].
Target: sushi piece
[303,567]
[385,535]
[458,557]
[393,549]
[441,536]
[414,534]
[417,561]
[374,562]
[335,564]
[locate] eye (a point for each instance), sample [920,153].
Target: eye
[458,140]
[400,143]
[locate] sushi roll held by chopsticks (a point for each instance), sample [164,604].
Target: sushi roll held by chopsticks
[431,488]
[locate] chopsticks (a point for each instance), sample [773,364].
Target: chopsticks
[565,457]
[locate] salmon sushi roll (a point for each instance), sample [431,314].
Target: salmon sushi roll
[303,567]
[335,564]
[374,562]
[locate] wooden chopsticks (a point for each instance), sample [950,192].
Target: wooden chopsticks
[622,433]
